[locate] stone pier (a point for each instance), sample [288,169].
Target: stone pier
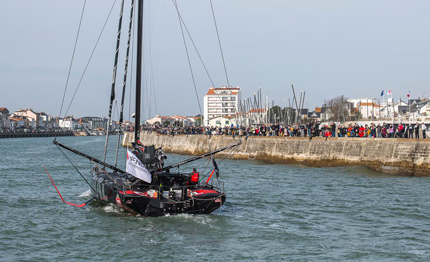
[409,157]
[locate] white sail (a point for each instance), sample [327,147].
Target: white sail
[135,167]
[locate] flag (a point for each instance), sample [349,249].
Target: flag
[389,92]
[409,94]
[135,167]
[382,93]
[215,167]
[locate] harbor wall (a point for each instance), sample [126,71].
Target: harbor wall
[36,134]
[409,157]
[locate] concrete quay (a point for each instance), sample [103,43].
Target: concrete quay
[407,157]
[36,134]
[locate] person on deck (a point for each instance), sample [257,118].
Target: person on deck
[423,128]
[194,177]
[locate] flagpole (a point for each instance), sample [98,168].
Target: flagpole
[392,102]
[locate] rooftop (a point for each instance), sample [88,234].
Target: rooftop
[223,90]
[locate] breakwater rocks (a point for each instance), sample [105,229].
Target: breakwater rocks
[395,156]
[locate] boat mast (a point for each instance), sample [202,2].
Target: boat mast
[138,69]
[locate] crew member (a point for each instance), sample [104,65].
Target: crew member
[195,177]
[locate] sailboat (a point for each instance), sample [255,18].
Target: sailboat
[147,187]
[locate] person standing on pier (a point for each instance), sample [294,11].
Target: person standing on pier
[401,127]
[411,131]
[417,130]
[423,128]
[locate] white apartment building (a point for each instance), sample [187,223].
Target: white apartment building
[221,102]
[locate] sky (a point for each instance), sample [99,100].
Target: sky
[325,48]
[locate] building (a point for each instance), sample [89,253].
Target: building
[222,121]
[95,122]
[30,115]
[17,122]
[45,121]
[68,123]
[221,102]
[4,118]
[369,110]
[160,120]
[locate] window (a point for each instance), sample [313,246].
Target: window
[218,122]
[227,122]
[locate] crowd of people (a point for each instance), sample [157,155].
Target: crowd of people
[316,129]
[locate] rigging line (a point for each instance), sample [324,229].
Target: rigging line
[132,64]
[195,47]
[156,25]
[153,87]
[124,83]
[150,78]
[188,56]
[115,66]
[219,41]
[229,153]
[91,56]
[198,53]
[71,162]
[73,56]
[151,43]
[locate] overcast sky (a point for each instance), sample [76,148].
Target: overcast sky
[326,48]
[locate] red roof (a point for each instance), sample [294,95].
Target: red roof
[16,119]
[212,90]
[257,110]
[370,104]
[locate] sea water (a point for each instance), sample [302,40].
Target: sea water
[272,213]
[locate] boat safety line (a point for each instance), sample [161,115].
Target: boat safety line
[76,205]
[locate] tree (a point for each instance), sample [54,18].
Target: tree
[284,115]
[338,109]
[198,122]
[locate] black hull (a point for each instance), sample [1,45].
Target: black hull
[199,199]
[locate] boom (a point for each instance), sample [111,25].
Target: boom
[89,157]
[201,156]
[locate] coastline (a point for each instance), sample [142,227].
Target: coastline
[406,157]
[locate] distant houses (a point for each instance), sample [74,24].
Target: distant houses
[220,111]
[30,120]
[174,120]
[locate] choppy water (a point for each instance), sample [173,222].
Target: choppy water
[273,213]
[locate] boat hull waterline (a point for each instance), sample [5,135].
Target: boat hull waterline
[199,199]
